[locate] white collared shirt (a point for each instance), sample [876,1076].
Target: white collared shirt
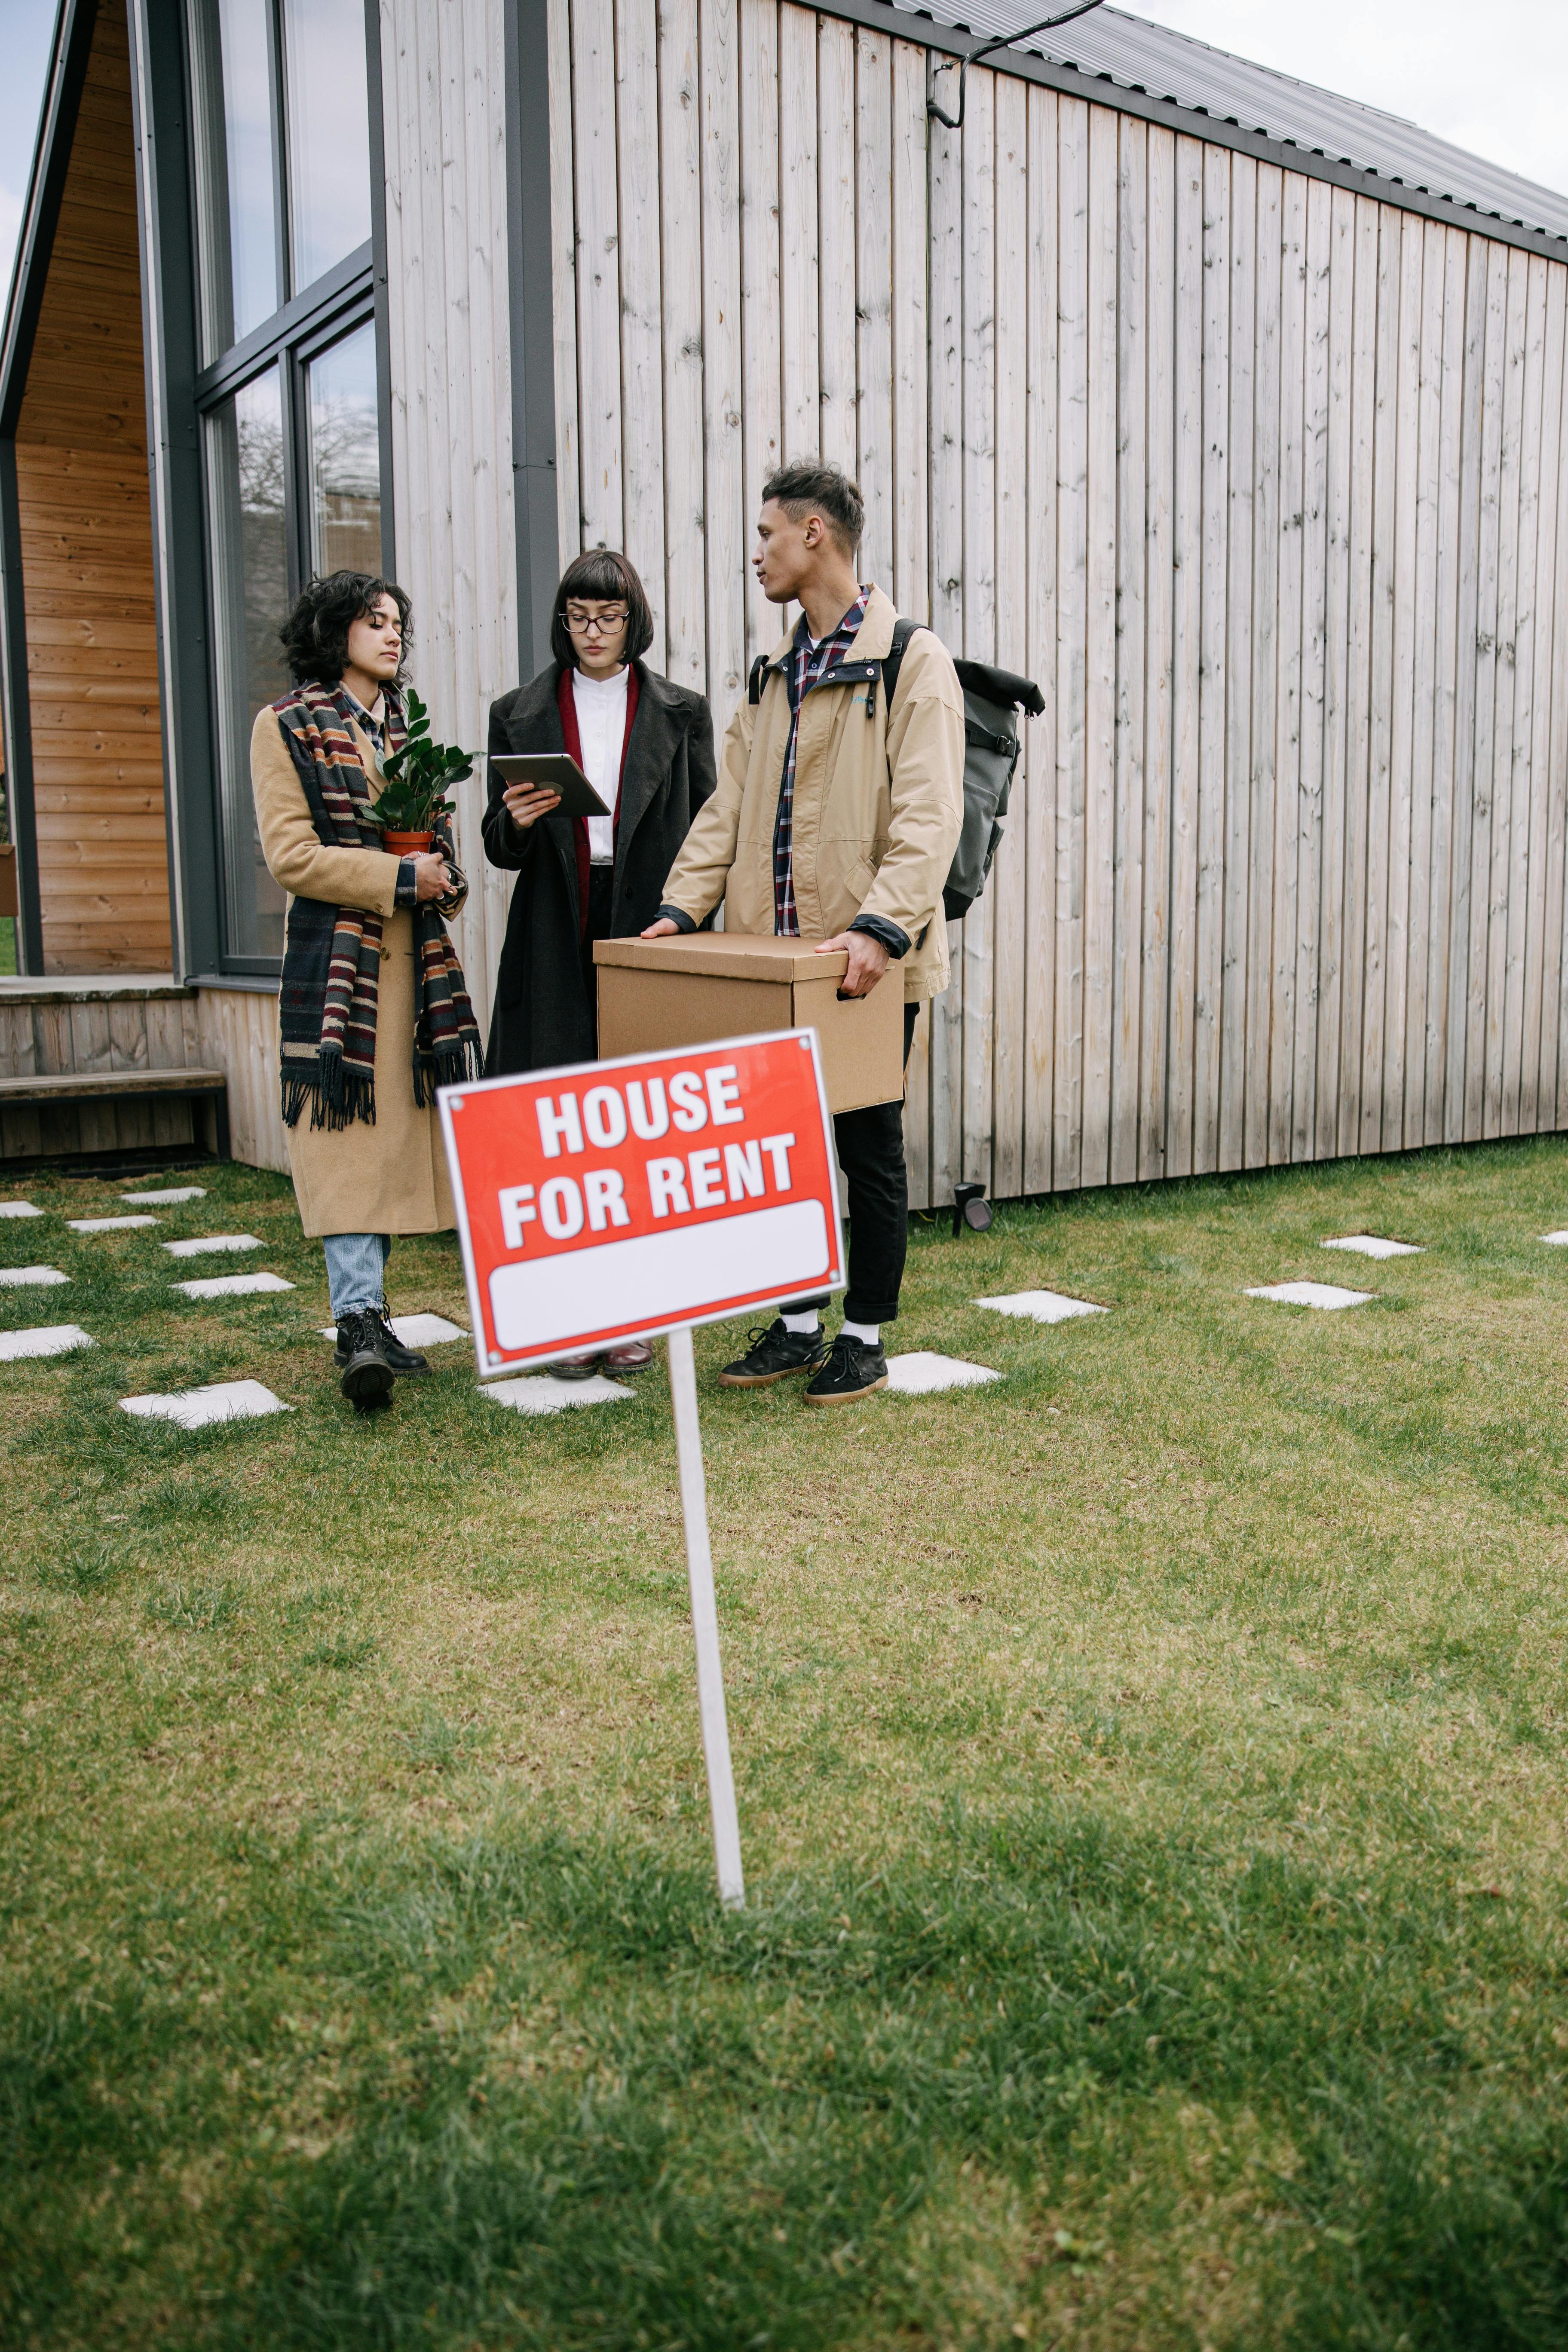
[601,707]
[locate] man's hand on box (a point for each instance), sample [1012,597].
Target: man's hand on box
[868,961]
[663,929]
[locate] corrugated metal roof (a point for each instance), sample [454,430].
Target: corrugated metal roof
[1136,55]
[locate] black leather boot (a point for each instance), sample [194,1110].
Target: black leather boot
[368,1375]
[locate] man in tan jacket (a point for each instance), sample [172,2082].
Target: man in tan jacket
[835,820]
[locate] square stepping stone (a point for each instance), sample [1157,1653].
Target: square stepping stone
[1041,1305]
[54,1340]
[194,1408]
[34,1278]
[1372,1245]
[1312,1294]
[233,1285]
[18,1209]
[109,1225]
[922,1374]
[543,1392]
[1558,1240]
[170,1192]
[415,1330]
[205,1242]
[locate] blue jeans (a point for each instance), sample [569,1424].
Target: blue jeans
[355,1264]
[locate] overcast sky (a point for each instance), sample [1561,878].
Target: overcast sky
[1491,77]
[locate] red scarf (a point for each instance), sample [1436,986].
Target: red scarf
[566,704]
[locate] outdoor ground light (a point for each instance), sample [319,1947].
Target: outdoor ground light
[971,1208]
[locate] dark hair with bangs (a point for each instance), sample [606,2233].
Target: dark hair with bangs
[604,575]
[808,487]
[315,636]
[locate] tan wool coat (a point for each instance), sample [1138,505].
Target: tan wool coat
[879,804]
[390,1178]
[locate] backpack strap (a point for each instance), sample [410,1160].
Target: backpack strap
[755,683]
[893,659]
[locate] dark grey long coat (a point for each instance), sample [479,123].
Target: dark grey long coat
[544,1012]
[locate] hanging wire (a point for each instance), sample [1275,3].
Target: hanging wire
[985,48]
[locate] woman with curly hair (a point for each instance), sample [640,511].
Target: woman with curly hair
[647,746]
[373,1013]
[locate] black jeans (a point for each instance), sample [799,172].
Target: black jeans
[876,1189]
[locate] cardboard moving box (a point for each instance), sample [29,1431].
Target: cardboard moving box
[657,993]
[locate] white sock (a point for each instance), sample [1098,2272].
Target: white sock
[803,1324]
[868,1334]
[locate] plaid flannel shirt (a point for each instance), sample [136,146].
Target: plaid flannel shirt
[807,663]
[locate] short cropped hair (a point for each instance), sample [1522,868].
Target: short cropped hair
[603,576]
[315,636]
[809,486]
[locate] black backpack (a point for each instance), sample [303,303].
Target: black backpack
[991,698]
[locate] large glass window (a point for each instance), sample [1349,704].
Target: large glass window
[290,398]
[329,131]
[346,456]
[249,539]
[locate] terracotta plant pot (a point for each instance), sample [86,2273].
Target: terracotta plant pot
[408,844]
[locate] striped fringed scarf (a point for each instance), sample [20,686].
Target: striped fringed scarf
[332,962]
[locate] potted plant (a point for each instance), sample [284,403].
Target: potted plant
[414,799]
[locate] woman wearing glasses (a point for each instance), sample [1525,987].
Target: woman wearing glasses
[647,747]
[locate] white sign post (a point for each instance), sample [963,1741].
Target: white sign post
[705,1619]
[621,1200]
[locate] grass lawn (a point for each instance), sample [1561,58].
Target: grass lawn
[1152,1791]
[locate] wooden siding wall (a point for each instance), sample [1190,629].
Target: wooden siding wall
[444,107]
[47,1032]
[1262,481]
[86,561]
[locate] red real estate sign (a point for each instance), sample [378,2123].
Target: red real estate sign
[617,1200]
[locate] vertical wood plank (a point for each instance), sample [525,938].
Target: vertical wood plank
[1256,643]
[1425,667]
[1159,493]
[1364,427]
[761,295]
[1486,684]
[874,461]
[1555,997]
[1187,542]
[1500,767]
[724,505]
[1234,885]
[642,303]
[1100,660]
[1213,642]
[1040,736]
[979,577]
[910,553]
[1072,630]
[798,230]
[946,527]
[1478,535]
[1284,933]
[1009,877]
[1339,474]
[1545,835]
[1521,798]
[1445,824]
[1311,876]
[563,279]
[1128,319]
[1404,411]
[685,489]
[598,271]
[836,238]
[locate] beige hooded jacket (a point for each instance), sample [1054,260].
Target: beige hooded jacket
[878,802]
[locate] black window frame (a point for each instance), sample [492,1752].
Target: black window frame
[349,295]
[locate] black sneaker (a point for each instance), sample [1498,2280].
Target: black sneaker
[367,1376]
[774,1354]
[404,1362]
[853,1369]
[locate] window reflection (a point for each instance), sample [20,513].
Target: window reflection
[230,41]
[329,132]
[346,456]
[247,475]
